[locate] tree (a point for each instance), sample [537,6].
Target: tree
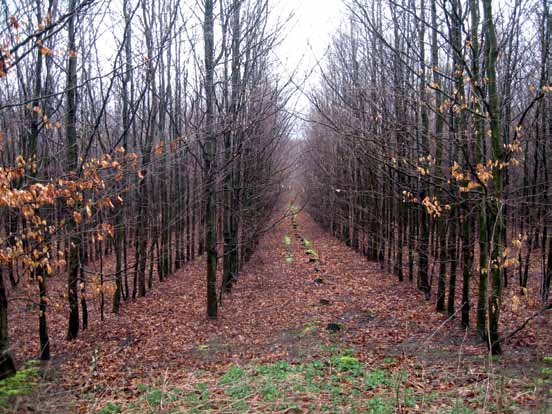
[209,159]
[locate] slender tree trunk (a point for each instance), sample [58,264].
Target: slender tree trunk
[210,161]
[496,221]
[72,159]
[7,366]
[423,245]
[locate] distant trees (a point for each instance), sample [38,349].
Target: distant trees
[428,138]
[124,134]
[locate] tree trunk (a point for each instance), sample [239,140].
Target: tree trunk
[72,165]
[7,366]
[210,161]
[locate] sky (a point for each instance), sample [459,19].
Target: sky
[311,27]
[307,36]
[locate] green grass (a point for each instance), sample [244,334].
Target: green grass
[110,408]
[337,381]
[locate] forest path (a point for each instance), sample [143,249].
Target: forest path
[277,312]
[274,312]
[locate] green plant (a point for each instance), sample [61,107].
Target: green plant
[233,374]
[459,408]
[275,372]
[270,392]
[410,397]
[203,390]
[345,363]
[110,408]
[199,398]
[240,391]
[377,405]
[154,396]
[240,407]
[373,379]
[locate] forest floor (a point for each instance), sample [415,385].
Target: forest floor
[311,326]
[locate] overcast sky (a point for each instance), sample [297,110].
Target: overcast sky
[311,27]
[308,34]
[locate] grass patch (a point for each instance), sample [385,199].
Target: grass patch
[18,385]
[110,408]
[337,381]
[376,378]
[289,249]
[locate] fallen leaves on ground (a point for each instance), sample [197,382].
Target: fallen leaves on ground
[277,311]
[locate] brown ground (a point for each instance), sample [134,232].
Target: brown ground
[275,313]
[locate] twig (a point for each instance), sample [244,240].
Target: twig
[524,324]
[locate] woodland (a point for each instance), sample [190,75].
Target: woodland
[179,233]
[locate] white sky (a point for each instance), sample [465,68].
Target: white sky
[311,27]
[308,35]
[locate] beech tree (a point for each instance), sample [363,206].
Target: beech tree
[155,151]
[436,169]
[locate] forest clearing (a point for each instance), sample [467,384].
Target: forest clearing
[234,206]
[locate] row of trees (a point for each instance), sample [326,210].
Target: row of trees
[150,132]
[430,137]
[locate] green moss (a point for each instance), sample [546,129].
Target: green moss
[20,384]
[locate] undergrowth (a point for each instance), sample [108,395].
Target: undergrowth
[338,382]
